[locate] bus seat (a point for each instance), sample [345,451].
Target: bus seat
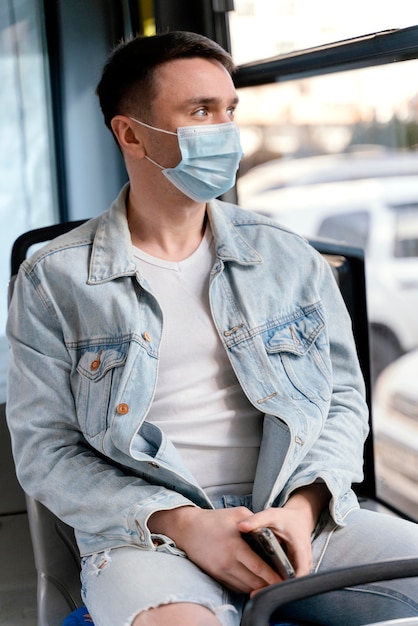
[56,555]
[57,563]
[55,550]
[271,601]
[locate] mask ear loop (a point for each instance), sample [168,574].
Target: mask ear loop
[154,162]
[160,130]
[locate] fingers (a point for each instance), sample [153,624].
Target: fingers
[252,572]
[267,518]
[292,533]
[222,553]
[243,570]
[300,557]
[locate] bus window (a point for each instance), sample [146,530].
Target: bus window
[27,183]
[280,26]
[336,154]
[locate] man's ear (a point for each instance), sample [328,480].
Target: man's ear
[128,136]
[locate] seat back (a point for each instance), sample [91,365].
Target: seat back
[57,563]
[260,609]
[348,266]
[56,555]
[55,550]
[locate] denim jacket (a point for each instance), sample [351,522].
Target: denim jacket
[85,328]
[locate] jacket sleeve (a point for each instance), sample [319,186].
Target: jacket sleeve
[336,457]
[54,462]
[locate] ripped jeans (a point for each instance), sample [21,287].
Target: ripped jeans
[119,584]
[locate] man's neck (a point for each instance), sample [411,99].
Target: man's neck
[170,231]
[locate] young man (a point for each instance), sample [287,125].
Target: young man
[183,372]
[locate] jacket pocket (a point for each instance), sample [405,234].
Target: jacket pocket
[300,348]
[99,371]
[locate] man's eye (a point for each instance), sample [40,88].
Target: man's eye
[201,112]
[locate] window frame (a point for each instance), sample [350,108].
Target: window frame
[379,48]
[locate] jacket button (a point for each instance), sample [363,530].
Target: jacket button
[147,336]
[94,365]
[122,408]
[154,465]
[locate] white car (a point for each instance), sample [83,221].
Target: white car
[361,162]
[379,215]
[395,418]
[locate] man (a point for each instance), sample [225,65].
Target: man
[183,372]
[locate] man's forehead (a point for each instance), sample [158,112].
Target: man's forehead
[194,68]
[195,81]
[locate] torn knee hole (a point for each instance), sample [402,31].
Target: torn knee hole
[171,601]
[99,563]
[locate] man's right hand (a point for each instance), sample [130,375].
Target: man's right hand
[211,540]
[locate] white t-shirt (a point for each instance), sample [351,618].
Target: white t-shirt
[198,402]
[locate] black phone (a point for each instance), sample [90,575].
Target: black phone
[264,542]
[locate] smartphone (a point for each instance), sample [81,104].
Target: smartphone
[264,542]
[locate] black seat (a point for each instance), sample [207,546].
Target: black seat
[55,550]
[270,601]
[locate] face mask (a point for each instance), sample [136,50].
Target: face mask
[210,155]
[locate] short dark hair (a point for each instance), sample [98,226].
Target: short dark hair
[127,84]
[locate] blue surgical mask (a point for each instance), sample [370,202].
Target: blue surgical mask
[210,155]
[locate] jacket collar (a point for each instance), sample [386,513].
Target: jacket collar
[225,221]
[111,255]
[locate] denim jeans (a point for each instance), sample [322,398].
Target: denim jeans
[120,583]
[368,537]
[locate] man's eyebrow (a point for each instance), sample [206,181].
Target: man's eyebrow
[208,100]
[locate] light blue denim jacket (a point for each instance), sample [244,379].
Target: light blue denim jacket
[85,330]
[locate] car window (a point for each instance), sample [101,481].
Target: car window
[352,228]
[406,233]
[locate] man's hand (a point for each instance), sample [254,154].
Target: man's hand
[294,523]
[212,540]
